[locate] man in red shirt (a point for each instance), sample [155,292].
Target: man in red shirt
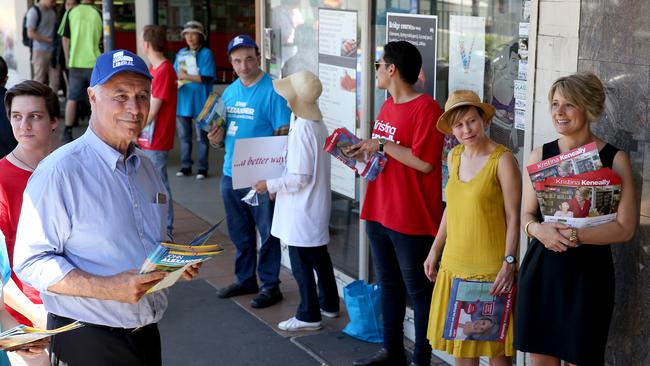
[403,206]
[157,137]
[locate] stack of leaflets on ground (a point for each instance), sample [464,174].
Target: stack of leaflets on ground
[20,335]
[176,258]
[338,144]
[474,314]
[562,180]
[213,112]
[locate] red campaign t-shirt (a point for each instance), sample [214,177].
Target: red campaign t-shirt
[13,181]
[163,86]
[402,198]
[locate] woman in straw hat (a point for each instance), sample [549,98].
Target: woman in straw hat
[302,205]
[566,291]
[479,231]
[196,70]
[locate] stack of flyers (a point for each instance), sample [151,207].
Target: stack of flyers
[176,258]
[187,62]
[582,200]
[338,144]
[213,112]
[474,314]
[22,335]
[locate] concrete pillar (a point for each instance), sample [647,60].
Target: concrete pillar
[144,15]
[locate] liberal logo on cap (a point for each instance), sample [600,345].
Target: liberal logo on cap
[114,62]
[120,59]
[242,40]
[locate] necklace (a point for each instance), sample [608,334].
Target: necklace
[20,160]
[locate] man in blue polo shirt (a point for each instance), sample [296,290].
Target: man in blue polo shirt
[254,109]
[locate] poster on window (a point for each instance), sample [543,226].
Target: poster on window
[337,71]
[467,54]
[421,31]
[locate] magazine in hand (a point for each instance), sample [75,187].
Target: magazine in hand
[580,160]
[338,144]
[582,200]
[474,314]
[187,62]
[176,258]
[213,112]
[20,335]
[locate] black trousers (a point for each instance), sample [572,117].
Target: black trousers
[99,345]
[304,261]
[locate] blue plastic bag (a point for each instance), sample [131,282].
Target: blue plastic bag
[363,303]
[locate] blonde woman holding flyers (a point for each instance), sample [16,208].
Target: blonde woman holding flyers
[479,231]
[566,284]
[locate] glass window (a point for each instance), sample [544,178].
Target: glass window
[294,47]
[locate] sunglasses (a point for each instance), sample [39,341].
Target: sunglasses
[379,63]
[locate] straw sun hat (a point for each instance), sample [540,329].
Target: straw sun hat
[301,90]
[460,98]
[193,27]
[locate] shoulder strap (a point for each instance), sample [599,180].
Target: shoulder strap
[38,15]
[550,149]
[455,159]
[607,154]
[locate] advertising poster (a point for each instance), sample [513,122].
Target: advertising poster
[337,71]
[422,31]
[467,54]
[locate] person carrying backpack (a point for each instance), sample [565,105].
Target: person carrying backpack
[39,29]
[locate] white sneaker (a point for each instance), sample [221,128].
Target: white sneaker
[294,325]
[200,176]
[329,314]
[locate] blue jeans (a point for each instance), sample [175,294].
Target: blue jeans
[159,160]
[242,220]
[398,260]
[304,261]
[184,128]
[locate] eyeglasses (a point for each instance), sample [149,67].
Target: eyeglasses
[379,63]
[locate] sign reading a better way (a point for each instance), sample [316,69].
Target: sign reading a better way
[258,158]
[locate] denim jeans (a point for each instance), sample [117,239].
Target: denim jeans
[184,128]
[242,220]
[398,260]
[159,160]
[304,261]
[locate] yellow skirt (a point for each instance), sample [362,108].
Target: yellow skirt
[458,348]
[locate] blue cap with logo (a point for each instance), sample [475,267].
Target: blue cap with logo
[114,62]
[242,40]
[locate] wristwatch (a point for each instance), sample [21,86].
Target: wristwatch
[382,141]
[573,237]
[510,259]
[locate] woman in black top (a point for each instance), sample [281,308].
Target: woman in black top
[566,282]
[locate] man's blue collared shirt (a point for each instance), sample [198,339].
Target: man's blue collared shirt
[86,207]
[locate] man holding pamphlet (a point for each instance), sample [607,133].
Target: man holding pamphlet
[93,212]
[254,109]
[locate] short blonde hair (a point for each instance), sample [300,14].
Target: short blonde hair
[584,90]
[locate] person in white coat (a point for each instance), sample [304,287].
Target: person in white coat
[303,201]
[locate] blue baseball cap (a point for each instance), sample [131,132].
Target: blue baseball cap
[114,62]
[242,40]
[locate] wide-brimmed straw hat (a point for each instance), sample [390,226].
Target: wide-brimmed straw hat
[460,98]
[193,26]
[301,90]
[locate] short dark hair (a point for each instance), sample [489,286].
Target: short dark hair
[406,58]
[36,89]
[4,71]
[156,35]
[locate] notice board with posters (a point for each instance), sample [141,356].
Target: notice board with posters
[422,32]
[337,71]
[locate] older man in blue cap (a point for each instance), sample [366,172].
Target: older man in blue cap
[254,109]
[93,211]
